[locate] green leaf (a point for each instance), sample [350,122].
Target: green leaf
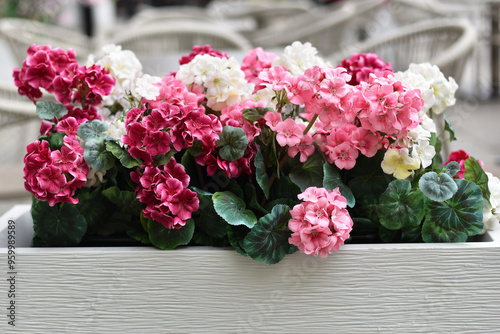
[124,199]
[233,210]
[163,159]
[92,129]
[254,114]
[201,238]
[452,168]
[309,173]
[236,235]
[251,198]
[475,173]
[333,180]
[97,156]
[400,207]
[457,218]
[260,173]
[449,128]
[121,154]
[207,219]
[56,140]
[58,225]
[137,232]
[96,209]
[437,188]
[232,143]
[285,188]
[164,238]
[49,110]
[268,239]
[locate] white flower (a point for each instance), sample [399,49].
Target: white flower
[423,152]
[95,178]
[429,79]
[145,86]
[116,129]
[491,213]
[222,79]
[298,57]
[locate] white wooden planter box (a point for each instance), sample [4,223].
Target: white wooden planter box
[369,288]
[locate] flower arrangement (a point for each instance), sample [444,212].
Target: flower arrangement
[278,154]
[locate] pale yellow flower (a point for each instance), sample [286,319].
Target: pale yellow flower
[399,163]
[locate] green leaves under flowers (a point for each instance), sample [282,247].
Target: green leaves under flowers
[309,173]
[232,143]
[164,238]
[121,154]
[97,156]
[233,209]
[437,187]
[92,129]
[260,173]
[457,218]
[475,173]
[254,114]
[49,110]
[400,206]
[332,180]
[126,200]
[268,239]
[58,225]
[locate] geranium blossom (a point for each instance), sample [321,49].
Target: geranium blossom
[399,163]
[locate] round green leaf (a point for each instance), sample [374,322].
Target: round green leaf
[97,156]
[452,168]
[232,143]
[233,209]
[164,238]
[254,114]
[260,173]
[58,225]
[92,129]
[120,153]
[457,218]
[268,239]
[50,110]
[437,188]
[400,207]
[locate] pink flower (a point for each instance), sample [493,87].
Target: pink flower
[275,78]
[289,133]
[361,65]
[320,223]
[272,119]
[305,148]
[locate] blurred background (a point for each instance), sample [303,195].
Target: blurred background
[462,37]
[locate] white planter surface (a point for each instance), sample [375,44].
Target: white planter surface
[369,288]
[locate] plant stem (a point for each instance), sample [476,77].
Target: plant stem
[311,123]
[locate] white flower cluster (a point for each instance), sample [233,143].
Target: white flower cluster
[420,138]
[298,57]
[222,80]
[437,92]
[491,212]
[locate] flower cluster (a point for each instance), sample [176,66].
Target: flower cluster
[361,65]
[320,223]
[55,175]
[164,191]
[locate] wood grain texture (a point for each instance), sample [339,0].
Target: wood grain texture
[389,288]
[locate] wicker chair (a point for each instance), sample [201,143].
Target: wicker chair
[14,108]
[21,33]
[324,28]
[179,36]
[447,43]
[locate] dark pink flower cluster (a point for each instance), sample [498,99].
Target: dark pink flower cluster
[54,176]
[255,62]
[460,156]
[201,50]
[164,190]
[321,222]
[58,72]
[360,65]
[173,121]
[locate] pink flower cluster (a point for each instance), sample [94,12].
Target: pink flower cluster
[58,72]
[201,50]
[172,121]
[460,156]
[54,176]
[255,62]
[361,65]
[321,222]
[164,190]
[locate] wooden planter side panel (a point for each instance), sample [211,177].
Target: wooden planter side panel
[360,289]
